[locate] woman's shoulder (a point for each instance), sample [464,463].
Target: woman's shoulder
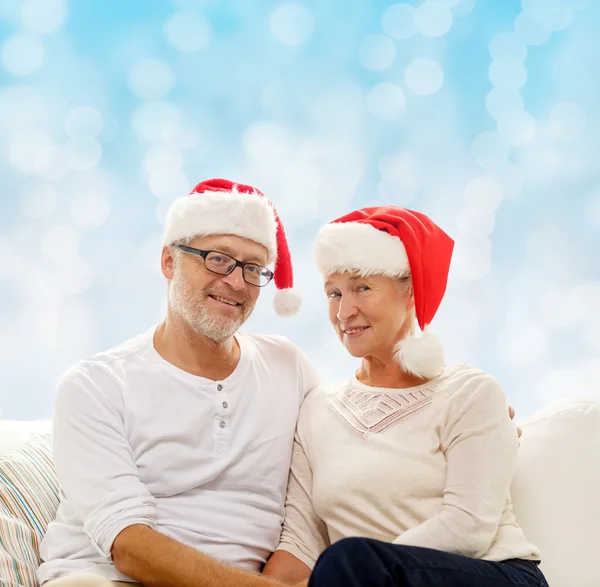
[463,382]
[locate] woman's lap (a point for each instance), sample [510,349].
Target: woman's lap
[355,562]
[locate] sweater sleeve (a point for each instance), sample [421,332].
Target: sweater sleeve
[94,460]
[480,444]
[304,534]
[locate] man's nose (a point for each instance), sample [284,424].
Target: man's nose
[235,279]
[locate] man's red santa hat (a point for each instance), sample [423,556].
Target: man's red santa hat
[394,242]
[220,206]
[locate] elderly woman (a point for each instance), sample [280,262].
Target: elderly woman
[401,473]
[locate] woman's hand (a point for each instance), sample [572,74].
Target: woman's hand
[511,413]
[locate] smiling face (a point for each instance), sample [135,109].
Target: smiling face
[210,304]
[369,314]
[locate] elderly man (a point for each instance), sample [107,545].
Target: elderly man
[173,449]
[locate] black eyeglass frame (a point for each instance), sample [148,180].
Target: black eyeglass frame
[201,253]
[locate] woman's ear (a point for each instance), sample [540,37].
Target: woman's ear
[410,299]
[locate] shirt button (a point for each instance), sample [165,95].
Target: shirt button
[222,424]
[219,387]
[225,405]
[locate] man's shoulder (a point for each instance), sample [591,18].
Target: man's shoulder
[111,358]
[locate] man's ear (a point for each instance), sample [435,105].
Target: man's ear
[167,262]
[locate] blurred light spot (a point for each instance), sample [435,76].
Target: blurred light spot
[489,149]
[401,170]
[75,275]
[567,120]
[377,52]
[151,79]
[508,72]
[508,44]
[59,244]
[433,19]
[464,8]
[299,211]
[24,146]
[156,121]
[475,222]
[51,163]
[424,76]
[386,101]
[41,325]
[22,54]
[267,142]
[19,106]
[398,21]
[553,15]
[187,31]
[517,128]
[43,16]
[522,344]
[541,163]
[38,200]
[161,211]
[509,178]
[90,209]
[304,177]
[161,157]
[531,32]
[83,154]
[84,122]
[561,308]
[471,259]
[77,327]
[291,23]
[484,192]
[168,184]
[586,297]
[501,102]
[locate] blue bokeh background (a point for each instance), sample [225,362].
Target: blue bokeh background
[482,114]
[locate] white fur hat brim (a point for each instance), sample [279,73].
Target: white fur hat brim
[354,246]
[245,215]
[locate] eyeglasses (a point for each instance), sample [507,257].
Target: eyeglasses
[223,264]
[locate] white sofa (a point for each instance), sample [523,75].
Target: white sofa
[556,488]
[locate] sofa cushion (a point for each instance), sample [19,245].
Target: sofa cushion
[556,491]
[29,499]
[17,432]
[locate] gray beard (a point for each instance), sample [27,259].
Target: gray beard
[190,306]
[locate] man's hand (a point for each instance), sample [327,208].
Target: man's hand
[511,413]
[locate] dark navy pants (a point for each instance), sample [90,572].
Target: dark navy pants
[362,562]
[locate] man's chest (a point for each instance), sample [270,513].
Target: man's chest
[182,439]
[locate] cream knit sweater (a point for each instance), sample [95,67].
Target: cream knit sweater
[427,466]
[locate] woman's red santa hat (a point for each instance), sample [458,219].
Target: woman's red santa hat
[394,242]
[220,206]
